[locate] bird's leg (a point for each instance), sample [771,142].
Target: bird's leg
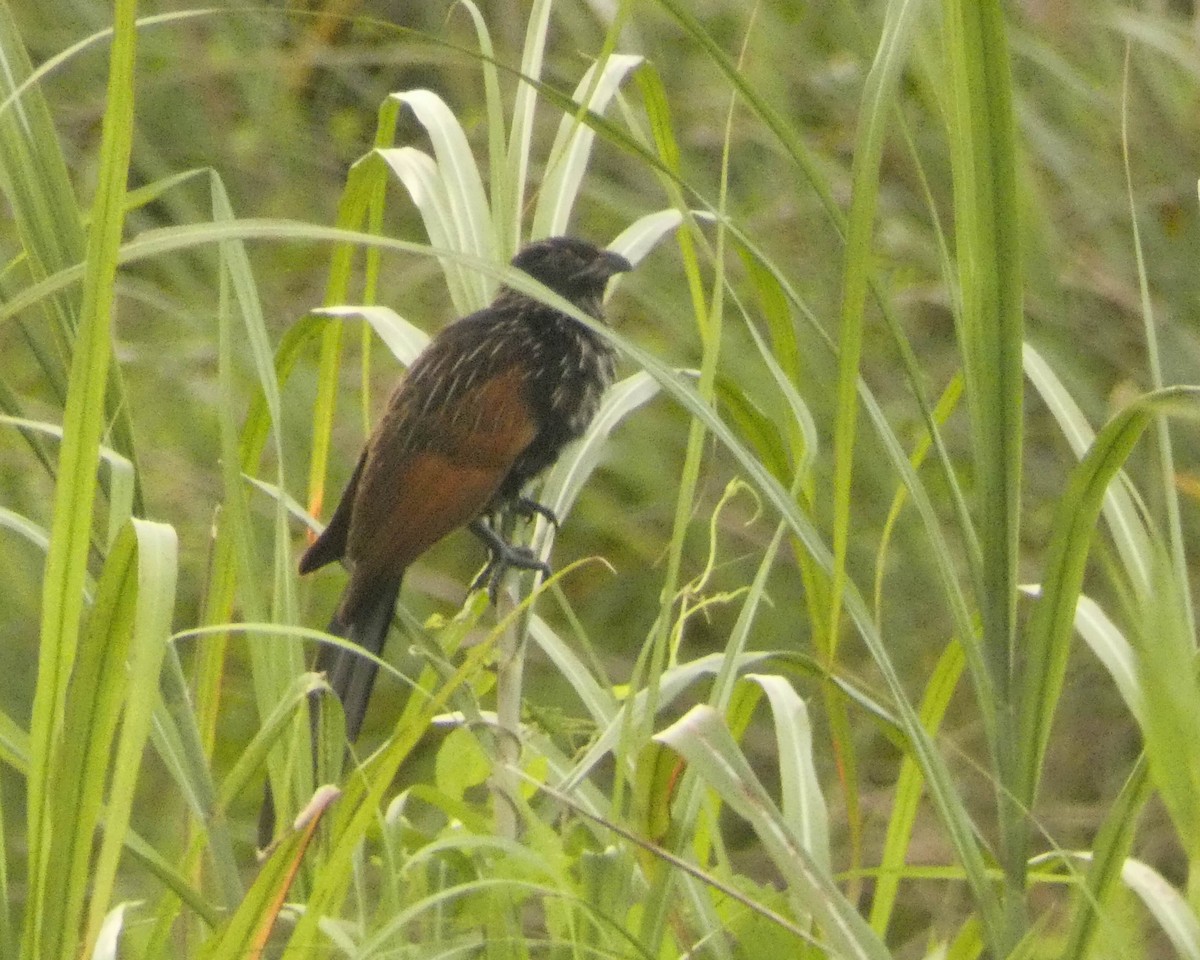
[527,508]
[504,556]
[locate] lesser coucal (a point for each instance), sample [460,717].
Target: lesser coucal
[488,405]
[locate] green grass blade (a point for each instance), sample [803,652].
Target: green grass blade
[946,405]
[702,739]
[35,181]
[99,688]
[1047,637]
[74,500]
[520,139]
[877,99]
[989,261]
[405,340]
[987,231]
[504,213]
[1110,850]
[249,765]
[787,135]
[1162,432]
[802,802]
[180,745]
[361,199]
[419,174]
[246,930]
[364,791]
[470,221]
[907,796]
[1117,655]
[236,262]
[1173,913]
[858,269]
[1172,700]
[572,147]
[1125,522]
[596,699]
[273,665]
[25,528]
[34,177]
[675,682]
[128,625]
[641,236]
[154,589]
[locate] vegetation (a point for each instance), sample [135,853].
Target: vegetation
[871,633]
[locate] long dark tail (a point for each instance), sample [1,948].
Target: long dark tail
[350,675]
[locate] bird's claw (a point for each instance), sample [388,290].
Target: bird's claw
[527,508]
[504,557]
[516,558]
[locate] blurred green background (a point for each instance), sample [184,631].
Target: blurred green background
[281,100]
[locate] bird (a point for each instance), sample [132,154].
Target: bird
[485,408]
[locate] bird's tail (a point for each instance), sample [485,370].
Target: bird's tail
[366,625]
[350,675]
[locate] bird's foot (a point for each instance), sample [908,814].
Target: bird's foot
[504,557]
[527,508]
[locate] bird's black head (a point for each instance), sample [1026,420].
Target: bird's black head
[572,268]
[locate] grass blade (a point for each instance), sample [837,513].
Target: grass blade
[1124,521]
[74,500]
[987,230]
[702,739]
[154,589]
[469,222]
[878,94]
[572,147]
[1047,637]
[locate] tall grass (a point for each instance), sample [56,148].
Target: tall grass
[722,794]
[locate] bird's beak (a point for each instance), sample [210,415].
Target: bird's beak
[605,266]
[612,262]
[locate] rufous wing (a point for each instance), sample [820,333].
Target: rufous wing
[419,485]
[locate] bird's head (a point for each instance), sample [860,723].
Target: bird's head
[573,268]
